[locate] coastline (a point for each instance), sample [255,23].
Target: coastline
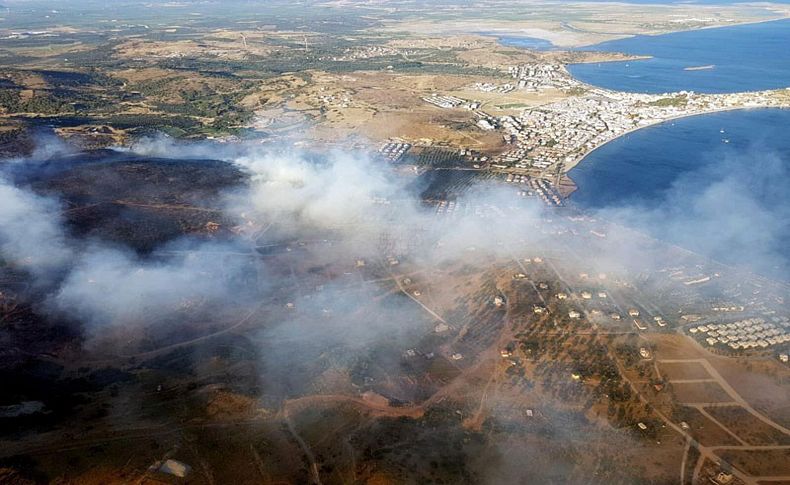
[644,57]
[741,266]
[570,166]
[499,37]
[536,34]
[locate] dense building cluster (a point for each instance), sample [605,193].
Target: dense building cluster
[538,77]
[540,188]
[394,151]
[751,333]
[442,101]
[565,131]
[371,52]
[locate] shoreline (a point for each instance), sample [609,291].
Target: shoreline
[498,34]
[709,27]
[733,265]
[581,158]
[555,48]
[646,57]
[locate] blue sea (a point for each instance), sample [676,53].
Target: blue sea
[524,42]
[718,184]
[744,58]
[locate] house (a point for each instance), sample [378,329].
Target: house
[723,478]
[485,125]
[175,468]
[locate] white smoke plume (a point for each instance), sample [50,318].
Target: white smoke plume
[31,231]
[353,201]
[320,195]
[734,209]
[108,286]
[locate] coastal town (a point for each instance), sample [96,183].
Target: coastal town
[557,136]
[329,242]
[548,140]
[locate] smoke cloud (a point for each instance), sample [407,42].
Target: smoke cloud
[31,231]
[343,198]
[317,195]
[734,209]
[365,211]
[108,286]
[347,208]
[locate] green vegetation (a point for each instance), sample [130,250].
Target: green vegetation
[677,101]
[513,106]
[43,103]
[9,135]
[576,91]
